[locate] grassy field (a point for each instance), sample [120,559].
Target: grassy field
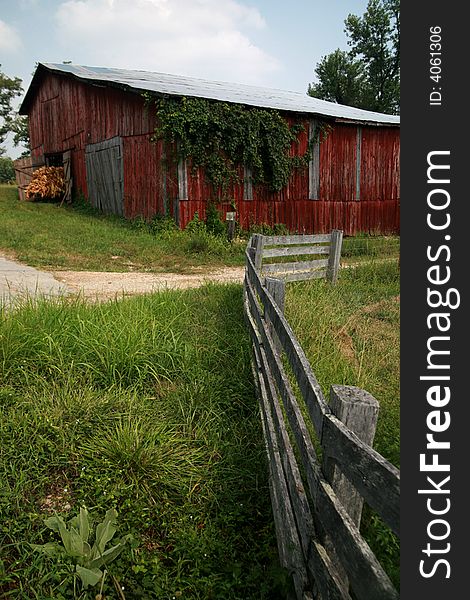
[145,405]
[48,236]
[77,238]
[351,335]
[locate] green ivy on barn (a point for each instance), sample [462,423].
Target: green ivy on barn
[220,136]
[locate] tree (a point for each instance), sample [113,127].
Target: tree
[7,170]
[374,39]
[20,129]
[341,79]
[9,89]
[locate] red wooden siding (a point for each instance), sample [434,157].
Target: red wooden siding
[67,114]
[380,169]
[338,164]
[143,187]
[337,207]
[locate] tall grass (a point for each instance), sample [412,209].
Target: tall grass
[350,334]
[77,237]
[145,405]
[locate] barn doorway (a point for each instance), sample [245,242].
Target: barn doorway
[105,175]
[62,159]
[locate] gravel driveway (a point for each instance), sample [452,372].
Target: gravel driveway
[18,280]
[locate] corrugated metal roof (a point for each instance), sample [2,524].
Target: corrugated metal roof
[176,85]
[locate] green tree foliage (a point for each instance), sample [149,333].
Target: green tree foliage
[20,129]
[341,79]
[368,76]
[9,89]
[7,170]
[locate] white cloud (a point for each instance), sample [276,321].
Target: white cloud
[203,38]
[10,41]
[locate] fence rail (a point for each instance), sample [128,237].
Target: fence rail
[317,504]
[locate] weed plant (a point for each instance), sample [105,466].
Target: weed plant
[146,406]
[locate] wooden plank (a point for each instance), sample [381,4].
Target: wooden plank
[358,162]
[105,175]
[306,276]
[319,567]
[286,530]
[295,266]
[314,164]
[295,251]
[284,240]
[377,480]
[294,414]
[364,571]
[366,575]
[289,544]
[335,255]
[182,179]
[247,183]
[258,242]
[24,169]
[308,384]
[67,158]
[277,289]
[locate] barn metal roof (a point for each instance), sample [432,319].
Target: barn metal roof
[177,85]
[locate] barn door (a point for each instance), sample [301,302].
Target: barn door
[67,158]
[105,175]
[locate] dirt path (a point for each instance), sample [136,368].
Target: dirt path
[94,285]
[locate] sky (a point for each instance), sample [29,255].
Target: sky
[268,43]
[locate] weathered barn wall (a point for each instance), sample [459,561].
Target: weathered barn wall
[67,114]
[370,204]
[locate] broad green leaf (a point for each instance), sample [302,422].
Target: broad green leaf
[109,555]
[76,543]
[86,549]
[84,524]
[104,532]
[73,522]
[51,548]
[53,522]
[89,576]
[65,535]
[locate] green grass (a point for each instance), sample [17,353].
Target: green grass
[350,334]
[365,247]
[76,237]
[48,236]
[145,405]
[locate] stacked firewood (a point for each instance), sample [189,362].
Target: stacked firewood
[46,182]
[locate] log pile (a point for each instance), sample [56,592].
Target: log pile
[46,182]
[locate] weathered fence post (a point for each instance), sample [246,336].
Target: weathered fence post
[358,410]
[277,289]
[258,243]
[334,256]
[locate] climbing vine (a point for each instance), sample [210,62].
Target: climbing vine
[221,136]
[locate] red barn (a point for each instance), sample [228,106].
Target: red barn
[96,122]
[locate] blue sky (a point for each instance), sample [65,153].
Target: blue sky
[274,44]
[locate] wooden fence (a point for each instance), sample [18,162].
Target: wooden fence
[23,173]
[289,246]
[317,503]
